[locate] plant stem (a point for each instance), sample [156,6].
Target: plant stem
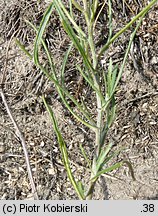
[90,24]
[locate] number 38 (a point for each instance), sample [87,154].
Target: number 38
[148,208]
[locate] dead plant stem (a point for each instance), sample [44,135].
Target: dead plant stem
[22,139]
[18,133]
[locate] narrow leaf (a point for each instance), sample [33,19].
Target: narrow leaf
[113,80]
[111,112]
[80,188]
[102,156]
[64,65]
[61,90]
[22,47]
[109,169]
[91,83]
[85,156]
[109,77]
[62,12]
[123,64]
[77,5]
[71,33]
[142,13]
[63,149]
[127,52]
[41,30]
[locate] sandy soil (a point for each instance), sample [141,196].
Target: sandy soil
[135,128]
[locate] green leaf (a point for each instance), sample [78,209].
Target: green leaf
[128,25]
[41,30]
[77,5]
[72,35]
[64,65]
[111,112]
[91,83]
[113,79]
[85,156]
[61,90]
[113,167]
[123,64]
[94,8]
[63,149]
[22,47]
[126,54]
[51,63]
[64,14]
[109,77]
[114,154]
[104,152]
[76,42]
[109,169]
[81,188]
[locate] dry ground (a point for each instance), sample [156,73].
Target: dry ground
[135,127]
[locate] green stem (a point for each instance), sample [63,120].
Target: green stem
[90,190]
[90,24]
[96,84]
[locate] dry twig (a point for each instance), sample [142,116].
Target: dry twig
[22,139]
[17,129]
